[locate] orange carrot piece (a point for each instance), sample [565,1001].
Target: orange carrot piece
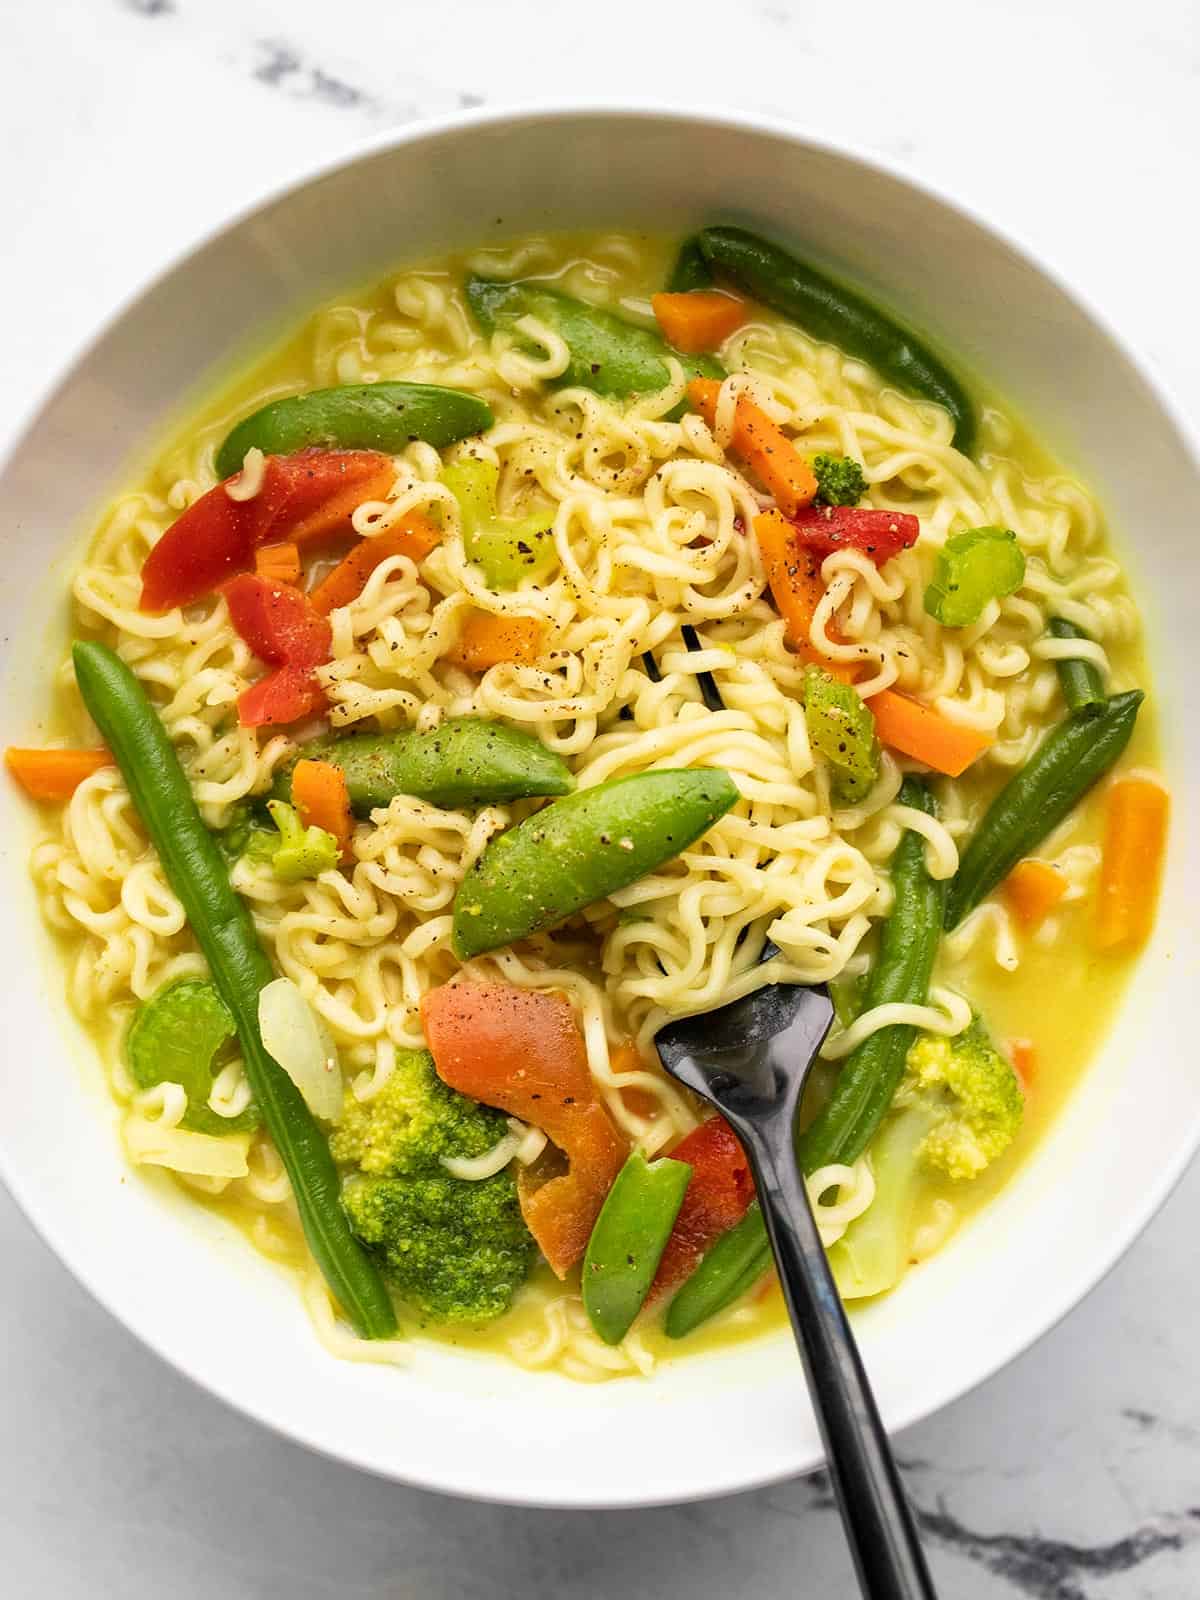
[320,795]
[413,536]
[919,731]
[54,774]
[486,639]
[1023,1055]
[762,445]
[1033,888]
[701,319]
[1135,840]
[522,1051]
[278,563]
[793,573]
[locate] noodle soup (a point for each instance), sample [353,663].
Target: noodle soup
[745,556]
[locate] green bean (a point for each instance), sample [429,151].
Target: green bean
[1080,680]
[464,762]
[1070,759]
[866,1084]
[224,930]
[691,270]
[828,310]
[608,354]
[628,1240]
[900,972]
[733,1265]
[581,849]
[356,416]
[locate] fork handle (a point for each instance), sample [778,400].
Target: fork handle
[875,1510]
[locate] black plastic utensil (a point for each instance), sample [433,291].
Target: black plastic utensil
[750,1060]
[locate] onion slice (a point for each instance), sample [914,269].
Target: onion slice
[295,1036]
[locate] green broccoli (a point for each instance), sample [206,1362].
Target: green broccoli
[413,1122]
[457,1249]
[840,480]
[959,1107]
[973,1094]
[294,852]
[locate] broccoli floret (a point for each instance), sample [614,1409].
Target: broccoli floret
[413,1122]
[294,852]
[840,480]
[958,1108]
[973,1091]
[456,1250]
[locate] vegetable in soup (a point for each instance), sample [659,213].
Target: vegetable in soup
[550,641]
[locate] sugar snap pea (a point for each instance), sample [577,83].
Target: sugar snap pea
[224,930]
[732,1266]
[866,1084]
[1070,759]
[356,416]
[829,310]
[628,1240]
[467,761]
[1080,680]
[582,848]
[608,354]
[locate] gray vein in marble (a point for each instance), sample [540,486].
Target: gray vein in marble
[149,8]
[1035,1566]
[1048,1569]
[281,66]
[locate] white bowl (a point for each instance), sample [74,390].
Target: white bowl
[187,1284]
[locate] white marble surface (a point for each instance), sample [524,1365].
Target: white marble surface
[127,127]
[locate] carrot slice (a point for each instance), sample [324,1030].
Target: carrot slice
[320,796]
[701,319]
[793,573]
[1134,843]
[1023,1055]
[924,734]
[54,774]
[413,536]
[522,1051]
[486,639]
[762,445]
[1033,889]
[278,563]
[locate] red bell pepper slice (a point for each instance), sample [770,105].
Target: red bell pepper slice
[879,534]
[286,695]
[521,1050]
[279,623]
[302,497]
[721,1188]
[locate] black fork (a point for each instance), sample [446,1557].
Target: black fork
[750,1060]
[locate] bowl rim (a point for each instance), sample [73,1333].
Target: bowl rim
[1074,1288]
